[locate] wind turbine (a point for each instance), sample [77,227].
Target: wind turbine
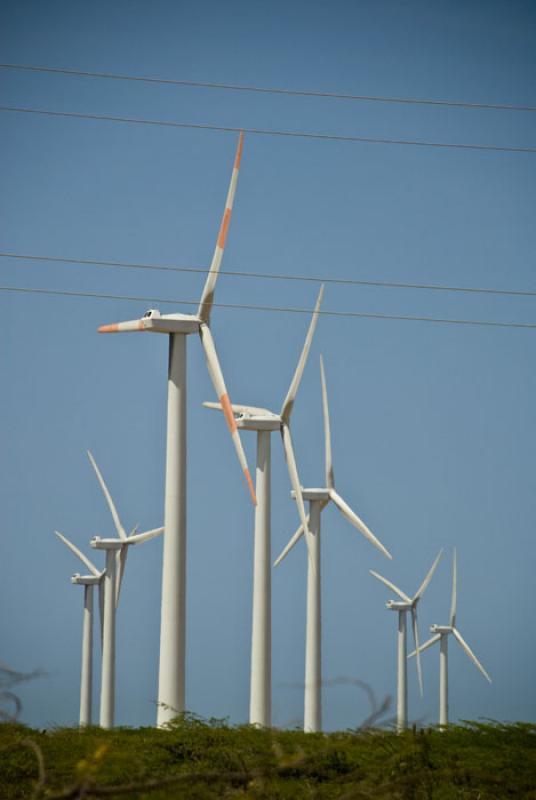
[116,556]
[264,422]
[88,582]
[178,326]
[403,606]
[441,634]
[318,500]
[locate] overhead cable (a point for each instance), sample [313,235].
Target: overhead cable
[267,131]
[277,309]
[270,90]
[272,276]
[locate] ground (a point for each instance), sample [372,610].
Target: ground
[196,758]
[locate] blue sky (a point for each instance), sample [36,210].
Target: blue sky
[433,425]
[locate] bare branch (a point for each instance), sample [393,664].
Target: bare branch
[40,785]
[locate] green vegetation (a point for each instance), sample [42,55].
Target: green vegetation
[199,759]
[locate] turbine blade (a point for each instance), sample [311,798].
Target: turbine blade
[453,601]
[84,559]
[290,544]
[288,403]
[435,638]
[420,591]
[296,537]
[391,586]
[417,648]
[207,298]
[122,327]
[120,564]
[330,480]
[138,538]
[216,376]
[115,516]
[238,409]
[309,543]
[470,653]
[293,474]
[358,523]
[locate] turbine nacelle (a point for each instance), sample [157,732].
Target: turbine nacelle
[258,423]
[441,629]
[244,412]
[107,544]
[314,494]
[155,322]
[85,580]
[398,605]
[251,418]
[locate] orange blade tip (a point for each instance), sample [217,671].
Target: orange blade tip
[108,328]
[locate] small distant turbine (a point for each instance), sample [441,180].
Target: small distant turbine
[116,556]
[88,582]
[406,604]
[318,500]
[441,634]
[264,422]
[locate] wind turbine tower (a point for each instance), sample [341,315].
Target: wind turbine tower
[116,555]
[107,698]
[88,582]
[264,422]
[171,678]
[318,499]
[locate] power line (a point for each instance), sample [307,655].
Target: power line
[278,309]
[273,276]
[267,131]
[270,90]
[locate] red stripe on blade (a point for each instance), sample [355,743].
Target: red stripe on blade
[222,236]
[228,411]
[250,485]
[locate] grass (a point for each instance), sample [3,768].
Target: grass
[199,759]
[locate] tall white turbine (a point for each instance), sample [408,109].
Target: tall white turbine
[264,422]
[403,606]
[116,556]
[178,326]
[88,582]
[441,634]
[318,500]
